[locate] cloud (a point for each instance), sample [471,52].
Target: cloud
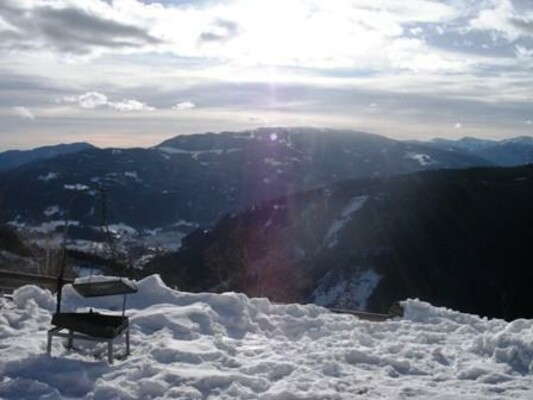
[68,29]
[523,24]
[24,113]
[503,17]
[130,105]
[523,53]
[292,33]
[310,33]
[458,125]
[221,30]
[184,105]
[92,100]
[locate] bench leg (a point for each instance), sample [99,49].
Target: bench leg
[128,342]
[49,344]
[110,351]
[70,339]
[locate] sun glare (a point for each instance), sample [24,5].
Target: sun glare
[291,32]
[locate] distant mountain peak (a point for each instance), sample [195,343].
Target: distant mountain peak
[526,140]
[16,158]
[272,133]
[507,152]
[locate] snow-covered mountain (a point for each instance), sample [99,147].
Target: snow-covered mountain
[467,143]
[457,238]
[157,195]
[506,152]
[228,346]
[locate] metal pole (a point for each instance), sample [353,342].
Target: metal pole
[60,278]
[124,305]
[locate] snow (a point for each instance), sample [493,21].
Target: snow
[355,205]
[234,150]
[122,229]
[228,346]
[51,226]
[173,150]
[423,159]
[195,153]
[85,271]
[133,175]
[48,177]
[98,278]
[76,187]
[168,238]
[86,246]
[273,162]
[351,292]
[51,210]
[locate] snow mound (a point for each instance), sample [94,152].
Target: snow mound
[32,294]
[228,346]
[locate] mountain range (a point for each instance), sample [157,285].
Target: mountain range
[194,180]
[339,218]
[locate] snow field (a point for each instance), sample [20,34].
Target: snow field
[228,346]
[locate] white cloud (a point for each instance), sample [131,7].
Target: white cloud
[311,33]
[502,17]
[529,122]
[418,31]
[130,105]
[24,113]
[220,31]
[341,34]
[184,105]
[92,100]
[458,125]
[523,53]
[361,34]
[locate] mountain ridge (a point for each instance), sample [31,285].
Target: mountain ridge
[10,159]
[217,173]
[456,238]
[505,152]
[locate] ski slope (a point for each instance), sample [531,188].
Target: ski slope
[228,346]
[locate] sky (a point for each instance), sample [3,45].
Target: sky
[126,73]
